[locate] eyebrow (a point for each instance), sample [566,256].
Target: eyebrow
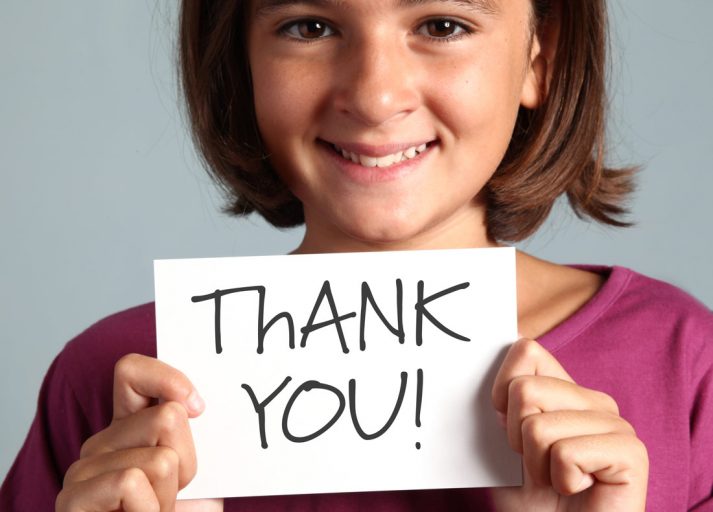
[489,7]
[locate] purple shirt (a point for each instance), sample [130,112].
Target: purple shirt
[646,343]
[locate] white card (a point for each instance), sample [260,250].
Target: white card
[342,372]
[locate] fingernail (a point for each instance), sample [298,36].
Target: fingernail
[586,483]
[502,419]
[195,402]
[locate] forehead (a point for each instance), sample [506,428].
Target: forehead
[482,6]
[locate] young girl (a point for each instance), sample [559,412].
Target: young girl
[394,125]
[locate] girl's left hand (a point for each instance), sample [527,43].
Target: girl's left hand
[577,452]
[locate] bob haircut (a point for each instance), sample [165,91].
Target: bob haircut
[558,148]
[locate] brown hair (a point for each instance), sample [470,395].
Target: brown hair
[558,148]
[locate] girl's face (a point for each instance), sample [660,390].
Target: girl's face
[387,117]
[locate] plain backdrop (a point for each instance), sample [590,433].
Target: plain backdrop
[99,176]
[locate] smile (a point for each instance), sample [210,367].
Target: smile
[382,161]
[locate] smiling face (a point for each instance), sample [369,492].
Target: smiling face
[386,118]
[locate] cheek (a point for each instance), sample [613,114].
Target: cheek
[285,106]
[272,96]
[491,92]
[286,102]
[479,104]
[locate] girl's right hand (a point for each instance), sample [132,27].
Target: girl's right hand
[141,460]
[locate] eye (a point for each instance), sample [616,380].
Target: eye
[443,28]
[307,29]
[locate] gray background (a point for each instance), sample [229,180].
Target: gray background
[99,176]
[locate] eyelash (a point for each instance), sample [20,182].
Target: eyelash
[462,30]
[284,30]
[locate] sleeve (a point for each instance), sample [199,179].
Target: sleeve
[701,423]
[52,445]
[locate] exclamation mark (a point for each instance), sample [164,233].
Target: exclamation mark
[419,400]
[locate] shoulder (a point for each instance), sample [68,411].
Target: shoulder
[650,327]
[132,330]
[653,329]
[661,311]
[655,304]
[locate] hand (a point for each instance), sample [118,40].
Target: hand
[141,460]
[578,453]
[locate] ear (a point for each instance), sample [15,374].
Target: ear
[541,62]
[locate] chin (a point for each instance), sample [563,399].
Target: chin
[385,234]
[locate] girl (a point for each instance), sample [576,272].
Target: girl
[410,124]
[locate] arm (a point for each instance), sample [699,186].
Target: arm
[52,443]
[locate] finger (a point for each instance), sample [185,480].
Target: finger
[528,395]
[617,462]
[161,425]
[128,490]
[159,464]
[541,431]
[139,379]
[525,357]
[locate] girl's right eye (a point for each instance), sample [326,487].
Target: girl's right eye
[307,29]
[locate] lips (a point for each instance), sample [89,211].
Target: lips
[382,161]
[367,165]
[381,156]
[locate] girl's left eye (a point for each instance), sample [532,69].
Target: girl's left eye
[307,30]
[443,28]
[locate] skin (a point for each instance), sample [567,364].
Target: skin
[375,73]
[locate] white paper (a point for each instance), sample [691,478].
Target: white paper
[459,441]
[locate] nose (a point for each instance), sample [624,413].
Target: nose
[377,81]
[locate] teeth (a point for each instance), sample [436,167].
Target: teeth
[384,161]
[368,161]
[349,156]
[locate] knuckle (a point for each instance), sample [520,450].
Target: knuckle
[523,389]
[534,430]
[90,447]
[74,473]
[164,463]
[564,487]
[641,452]
[527,349]
[124,366]
[86,449]
[562,454]
[131,480]
[191,468]
[608,403]
[624,427]
[170,416]
[61,503]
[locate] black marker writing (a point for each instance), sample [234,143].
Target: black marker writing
[309,386]
[312,385]
[326,291]
[262,327]
[421,311]
[394,413]
[260,406]
[366,295]
[419,400]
